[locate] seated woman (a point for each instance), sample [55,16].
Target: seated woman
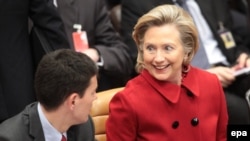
[169,100]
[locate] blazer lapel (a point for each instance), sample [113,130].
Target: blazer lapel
[69,13]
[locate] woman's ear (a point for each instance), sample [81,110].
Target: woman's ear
[185,59]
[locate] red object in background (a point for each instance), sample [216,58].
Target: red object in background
[80,41]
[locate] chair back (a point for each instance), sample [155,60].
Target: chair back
[100,112]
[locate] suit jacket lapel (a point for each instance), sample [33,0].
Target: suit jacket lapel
[68,12]
[71,135]
[207,10]
[35,128]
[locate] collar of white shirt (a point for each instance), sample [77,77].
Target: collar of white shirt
[50,133]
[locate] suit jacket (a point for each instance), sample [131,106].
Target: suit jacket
[213,11]
[26,126]
[153,110]
[94,18]
[16,62]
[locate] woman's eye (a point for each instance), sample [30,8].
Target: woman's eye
[150,48]
[168,48]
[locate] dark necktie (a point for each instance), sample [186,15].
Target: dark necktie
[200,59]
[63,138]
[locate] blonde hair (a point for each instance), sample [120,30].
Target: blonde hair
[162,15]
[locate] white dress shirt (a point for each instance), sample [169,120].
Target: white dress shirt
[213,52]
[55,2]
[50,133]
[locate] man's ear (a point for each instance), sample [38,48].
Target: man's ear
[71,100]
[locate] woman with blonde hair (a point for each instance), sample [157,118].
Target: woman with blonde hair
[169,100]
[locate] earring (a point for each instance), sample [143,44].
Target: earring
[185,68]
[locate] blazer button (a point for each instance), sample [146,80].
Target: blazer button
[195,121]
[175,124]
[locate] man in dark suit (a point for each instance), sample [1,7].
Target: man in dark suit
[216,17]
[105,45]
[16,62]
[65,84]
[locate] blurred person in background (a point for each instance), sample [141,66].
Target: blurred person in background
[16,57]
[104,44]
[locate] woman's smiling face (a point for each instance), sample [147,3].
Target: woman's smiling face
[163,53]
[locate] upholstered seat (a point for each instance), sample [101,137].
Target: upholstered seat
[100,112]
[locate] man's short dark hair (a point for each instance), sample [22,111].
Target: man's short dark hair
[61,73]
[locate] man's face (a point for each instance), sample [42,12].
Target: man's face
[83,104]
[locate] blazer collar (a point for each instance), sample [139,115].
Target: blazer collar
[191,81]
[172,91]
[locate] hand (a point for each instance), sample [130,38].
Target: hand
[242,62]
[224,74]
[92,53]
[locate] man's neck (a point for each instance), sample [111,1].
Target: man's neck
[58,118]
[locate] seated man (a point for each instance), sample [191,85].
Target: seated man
[65,84]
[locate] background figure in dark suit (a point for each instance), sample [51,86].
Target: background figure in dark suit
[240,14]
[65,85]
[216,15]
[105,46]
[16,63]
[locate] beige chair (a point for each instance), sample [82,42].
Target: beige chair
[100,112]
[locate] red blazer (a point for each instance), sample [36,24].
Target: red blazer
[151,110]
